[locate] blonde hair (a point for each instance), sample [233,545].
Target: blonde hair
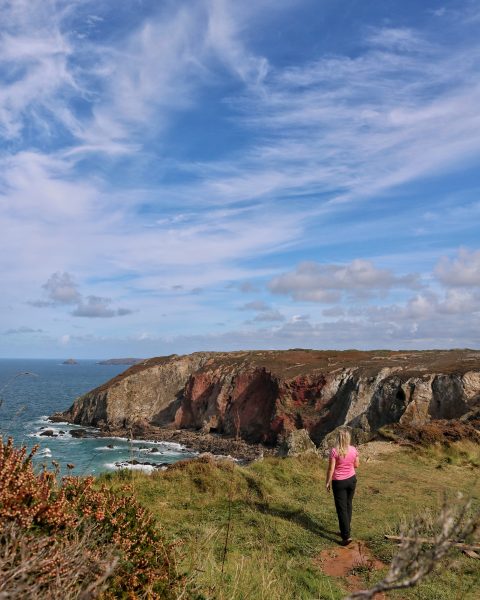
[342,441]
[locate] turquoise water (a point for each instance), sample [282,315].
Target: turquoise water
[31,390]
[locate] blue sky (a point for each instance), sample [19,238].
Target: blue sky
[215,175]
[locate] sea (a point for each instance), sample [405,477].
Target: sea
[31,390]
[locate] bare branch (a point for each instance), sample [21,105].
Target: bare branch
[415,560]
[38,566]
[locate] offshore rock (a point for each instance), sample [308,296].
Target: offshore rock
[262,396]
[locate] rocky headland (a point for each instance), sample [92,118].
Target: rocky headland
[120,361]
[225,402]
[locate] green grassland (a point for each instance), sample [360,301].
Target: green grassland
[254,532]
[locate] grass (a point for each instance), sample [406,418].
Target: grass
[464,454]
[281,518]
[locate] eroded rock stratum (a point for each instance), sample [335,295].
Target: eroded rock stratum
[261,395]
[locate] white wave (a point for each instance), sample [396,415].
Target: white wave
[148,451]
[111,466]
[45,419]
[172,445]
[124,465]
[45,452]
[107,448]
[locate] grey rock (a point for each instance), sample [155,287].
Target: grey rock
[78,433]
[296,443]
[49,433]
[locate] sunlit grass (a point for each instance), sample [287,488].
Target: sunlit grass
[281,518]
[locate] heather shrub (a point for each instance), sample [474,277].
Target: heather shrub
[53,513]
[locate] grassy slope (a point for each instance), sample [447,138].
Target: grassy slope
[281,518]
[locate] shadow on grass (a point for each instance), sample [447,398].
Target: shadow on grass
[300,517]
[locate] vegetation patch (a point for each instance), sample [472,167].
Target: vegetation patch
[73,539]
[440,431]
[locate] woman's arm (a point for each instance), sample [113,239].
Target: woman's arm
[330,470]
[357,462]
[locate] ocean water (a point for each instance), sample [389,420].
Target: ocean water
[31,390]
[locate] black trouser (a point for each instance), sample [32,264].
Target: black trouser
[343,491]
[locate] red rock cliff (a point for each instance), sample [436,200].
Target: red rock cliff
[260,395]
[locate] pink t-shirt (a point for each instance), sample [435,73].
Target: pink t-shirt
[344,467]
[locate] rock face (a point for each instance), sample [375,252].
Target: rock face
[259,396]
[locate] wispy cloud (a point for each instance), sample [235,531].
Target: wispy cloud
[34,54]
[172,149]
[356,127]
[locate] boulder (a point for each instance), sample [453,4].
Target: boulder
[296,443]
[78,433]
[49,433]
[359,436]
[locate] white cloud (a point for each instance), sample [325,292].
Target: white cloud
[94,306]
[40,188]
[462,271]
[225,19]
[61,289]
[315,282]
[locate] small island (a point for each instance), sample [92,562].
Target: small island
[70,361]
[120,361]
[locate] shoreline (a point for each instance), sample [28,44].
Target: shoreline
[196,441]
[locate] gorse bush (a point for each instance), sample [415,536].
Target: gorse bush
[29,499]
[57,511]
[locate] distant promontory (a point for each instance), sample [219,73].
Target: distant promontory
[120,361]
[70,361]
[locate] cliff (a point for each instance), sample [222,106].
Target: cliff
[259,396]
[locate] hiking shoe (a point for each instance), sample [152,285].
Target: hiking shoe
[347,542]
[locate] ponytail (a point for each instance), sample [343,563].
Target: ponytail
[342,441]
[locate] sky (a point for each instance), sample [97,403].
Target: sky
[184,175]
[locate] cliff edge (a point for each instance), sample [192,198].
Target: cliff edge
[260,396]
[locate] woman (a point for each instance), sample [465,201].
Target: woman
[341,477]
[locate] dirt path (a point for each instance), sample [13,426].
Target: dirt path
[349,563]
